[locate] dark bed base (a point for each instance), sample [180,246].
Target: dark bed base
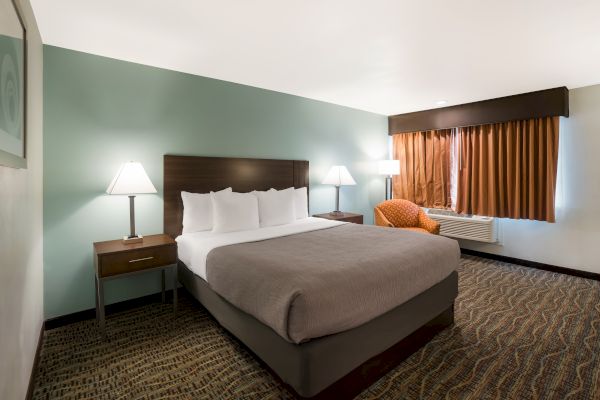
[360,378]
[342,365]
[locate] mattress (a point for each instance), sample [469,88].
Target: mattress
[193,248]
[318,277]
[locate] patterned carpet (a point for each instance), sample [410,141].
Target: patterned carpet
[520,333]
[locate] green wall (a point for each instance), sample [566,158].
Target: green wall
[100,112]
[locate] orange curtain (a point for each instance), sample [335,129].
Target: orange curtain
[508,170]
[424,167]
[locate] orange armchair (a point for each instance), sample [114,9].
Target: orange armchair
[398,213]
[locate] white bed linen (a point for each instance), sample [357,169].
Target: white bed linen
[193,248]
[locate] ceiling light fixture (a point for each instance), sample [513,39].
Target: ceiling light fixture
[441,102]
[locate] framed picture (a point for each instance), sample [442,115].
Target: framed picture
[13,86]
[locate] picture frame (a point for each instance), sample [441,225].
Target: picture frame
[13,86]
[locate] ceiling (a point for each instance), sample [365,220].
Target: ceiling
[384,56]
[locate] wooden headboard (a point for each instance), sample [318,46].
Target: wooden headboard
[205,174]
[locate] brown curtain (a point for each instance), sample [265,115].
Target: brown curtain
[424,167]
[508,170]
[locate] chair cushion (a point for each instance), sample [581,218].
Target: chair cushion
[401,213]
[417,230]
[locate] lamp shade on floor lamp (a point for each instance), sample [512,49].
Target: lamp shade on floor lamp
[389,168]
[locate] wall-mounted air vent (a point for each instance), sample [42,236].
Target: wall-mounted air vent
[461,226]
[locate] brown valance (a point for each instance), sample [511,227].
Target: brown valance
[424,167]
[539,104]
[508,170]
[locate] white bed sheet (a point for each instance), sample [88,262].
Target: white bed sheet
[193,248]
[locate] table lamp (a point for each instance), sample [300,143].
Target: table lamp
[389,168]
[131,180]
[338,175]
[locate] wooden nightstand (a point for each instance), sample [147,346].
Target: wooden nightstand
[344,216]
[113,259]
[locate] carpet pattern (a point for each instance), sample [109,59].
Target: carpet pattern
[519,333]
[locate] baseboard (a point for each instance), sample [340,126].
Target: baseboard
[36,361]
[109,309]
[533,264]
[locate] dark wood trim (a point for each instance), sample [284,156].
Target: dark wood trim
[90,313]
[36,362]
[543,103]
[533,264]
[199,174]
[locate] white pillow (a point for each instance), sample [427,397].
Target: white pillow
[234,212]
[276,207]
[197,211]
[301,202]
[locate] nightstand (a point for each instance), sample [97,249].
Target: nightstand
[344,216]
[114,259]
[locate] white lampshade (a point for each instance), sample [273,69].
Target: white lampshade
[131,179]
[389,167]
[338,175]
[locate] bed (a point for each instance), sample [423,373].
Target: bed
[362,307]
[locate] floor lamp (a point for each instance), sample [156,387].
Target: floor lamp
[389,168]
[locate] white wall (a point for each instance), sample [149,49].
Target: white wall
[574,240]
[21,272]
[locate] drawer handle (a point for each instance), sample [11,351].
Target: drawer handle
[141,259]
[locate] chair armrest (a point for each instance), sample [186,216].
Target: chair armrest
[381,220]
[428,224]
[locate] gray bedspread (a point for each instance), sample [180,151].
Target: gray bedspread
[317,283]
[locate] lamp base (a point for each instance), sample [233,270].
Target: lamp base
[132,240]
[336,213]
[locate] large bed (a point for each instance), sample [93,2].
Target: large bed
[328,307]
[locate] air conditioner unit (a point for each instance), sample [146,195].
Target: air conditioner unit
[463,226]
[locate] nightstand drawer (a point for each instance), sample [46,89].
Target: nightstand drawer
[357,219]
[136,260]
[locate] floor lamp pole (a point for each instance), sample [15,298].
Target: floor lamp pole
[388,187]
